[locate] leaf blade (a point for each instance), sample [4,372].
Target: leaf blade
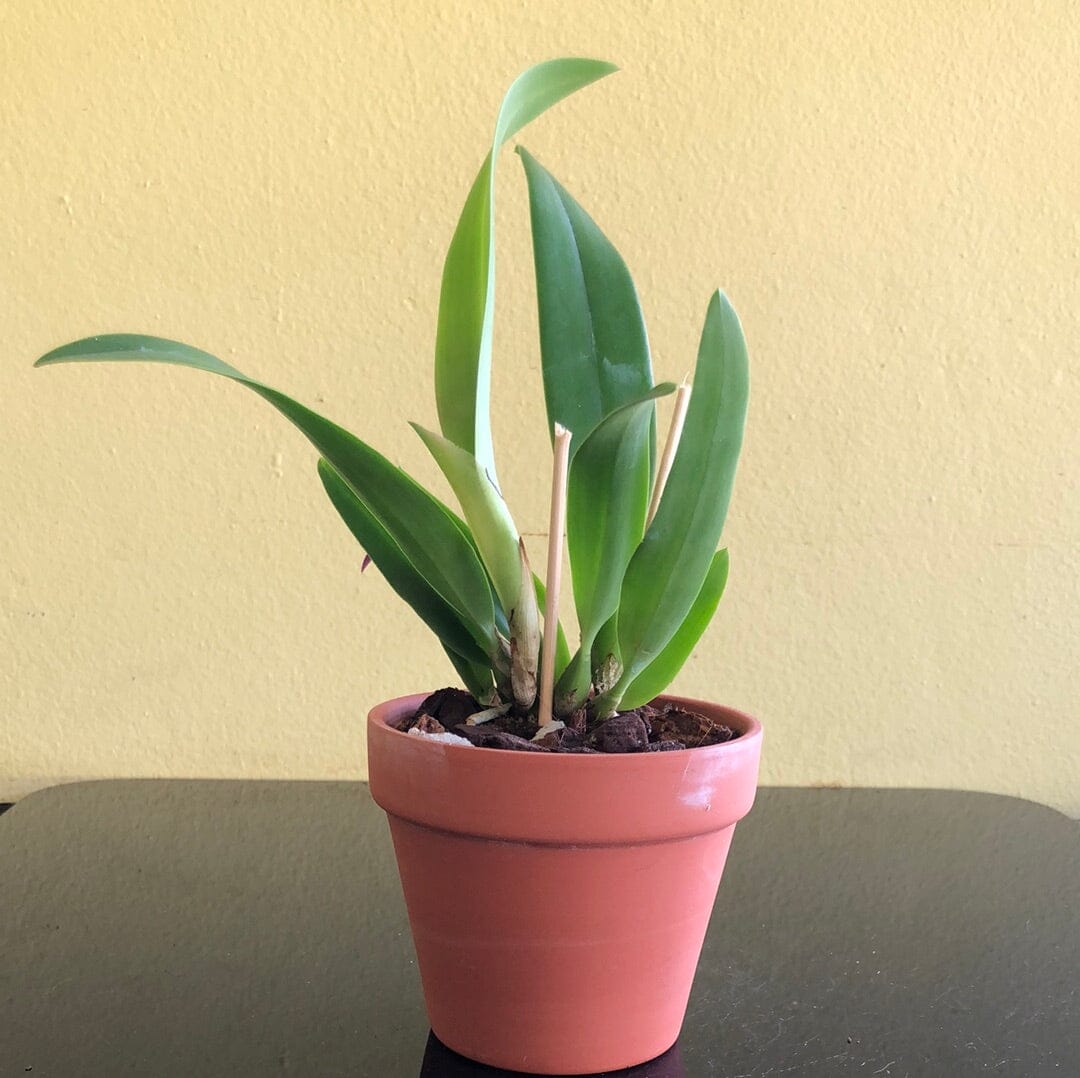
[467,295]
[661,672]
[664,575]
[475,676]
[594,348]
[607,500]
[399,572]
[418,522]
[485,511]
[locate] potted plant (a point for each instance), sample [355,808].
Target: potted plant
[560,825]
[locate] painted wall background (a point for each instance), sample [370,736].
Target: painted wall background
[890,193]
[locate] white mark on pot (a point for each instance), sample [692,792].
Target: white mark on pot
[699,798]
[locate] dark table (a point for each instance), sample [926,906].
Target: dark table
[257,928]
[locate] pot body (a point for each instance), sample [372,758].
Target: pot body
[558,902]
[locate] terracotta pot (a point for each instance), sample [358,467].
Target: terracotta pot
[558,902]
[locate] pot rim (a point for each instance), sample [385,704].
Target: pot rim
[563,798]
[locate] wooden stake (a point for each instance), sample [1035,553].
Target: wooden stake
[556,527]
[682,402]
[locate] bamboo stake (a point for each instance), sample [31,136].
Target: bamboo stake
[682,402]
[556,527]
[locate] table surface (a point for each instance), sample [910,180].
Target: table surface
[232,928]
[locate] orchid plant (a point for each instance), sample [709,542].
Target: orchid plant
[645,584]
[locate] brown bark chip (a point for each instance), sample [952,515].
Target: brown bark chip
[675,724]
[623,733]
[562,740]
[427,725]
[489,736]
[476,734]
[448,707]
[645,729]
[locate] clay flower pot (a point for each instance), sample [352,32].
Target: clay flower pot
[558,902]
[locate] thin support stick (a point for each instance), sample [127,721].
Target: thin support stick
[556,527]
[682,402]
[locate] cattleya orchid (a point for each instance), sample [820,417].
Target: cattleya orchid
[644,586]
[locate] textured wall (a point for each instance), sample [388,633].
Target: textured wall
[888,191]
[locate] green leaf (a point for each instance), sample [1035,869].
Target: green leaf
[476,676]
[660,673]
[665,573]
[399,572]
[593,345]
[134,348]
[426,531]
[467,299]
[486,512]
[607,499]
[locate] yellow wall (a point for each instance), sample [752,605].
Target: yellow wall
[888,191]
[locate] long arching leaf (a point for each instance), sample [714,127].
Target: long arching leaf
[467,299]
[425,530]
[436,613]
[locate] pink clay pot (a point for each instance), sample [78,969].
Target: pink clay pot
[558,902]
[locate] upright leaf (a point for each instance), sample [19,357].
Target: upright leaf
[607,498]
[593,346]
[665,573]
[660,673]
[467,299]
[425,530]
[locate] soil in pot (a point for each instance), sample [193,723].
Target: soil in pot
[644,729]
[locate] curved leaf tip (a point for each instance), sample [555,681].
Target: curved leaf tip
[136,347]
[463,338]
